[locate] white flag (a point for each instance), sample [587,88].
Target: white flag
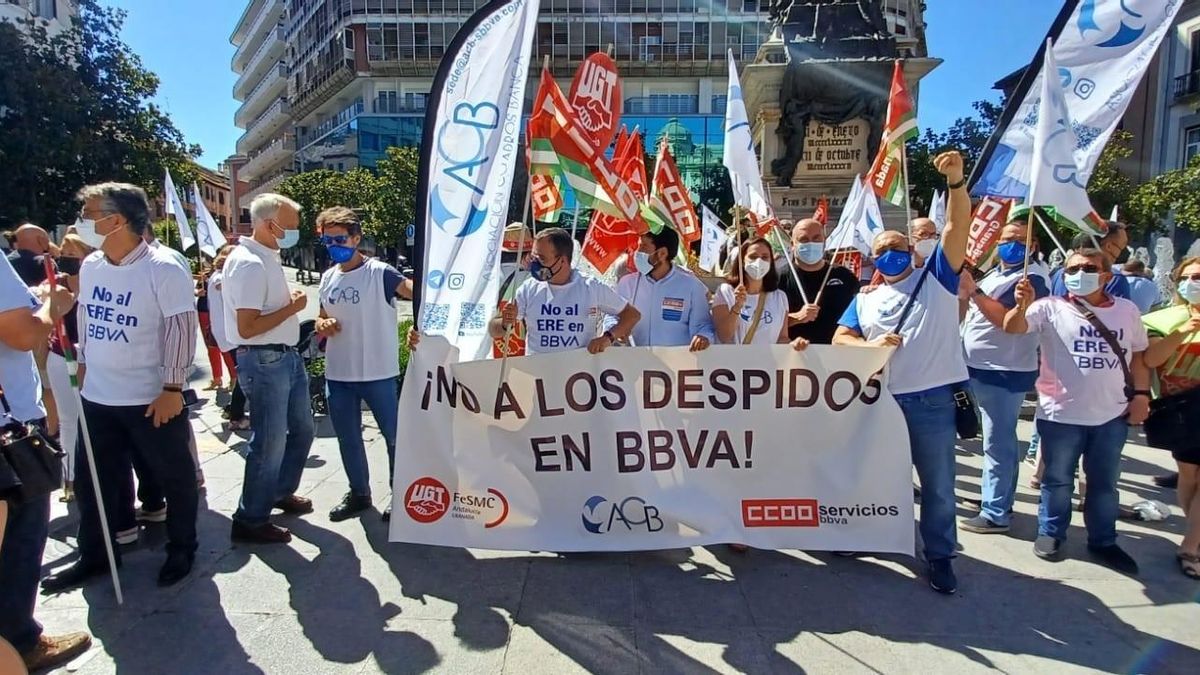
[1102,49]
[739,157]
[854,219]
[1116,213]
[175,208]
[1055,179]
[211,237]
[712,239]
[937,210]
[474,123]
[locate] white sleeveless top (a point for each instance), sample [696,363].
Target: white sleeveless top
[368,346]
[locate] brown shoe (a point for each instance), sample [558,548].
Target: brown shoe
[55,650]
[295,505]
[266,533]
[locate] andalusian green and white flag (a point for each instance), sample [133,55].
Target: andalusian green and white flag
[887,174]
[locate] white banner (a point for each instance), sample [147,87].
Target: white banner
[738,153]
[1102,53]
[712,238]
[471,135]
[651,448]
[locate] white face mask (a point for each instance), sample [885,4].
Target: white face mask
[1190,291]
[925,247]
[641,261]
[86,229]
[757,269]
[1082,283]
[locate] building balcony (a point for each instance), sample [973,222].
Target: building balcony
[264,126]
[317,90]
[269,158]
[269,53]
[271,184]
[1187,87]
[269,13]
[270,88]
[241,29]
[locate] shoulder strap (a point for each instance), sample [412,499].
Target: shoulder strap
[1109,337]
[912,298]
[758,312]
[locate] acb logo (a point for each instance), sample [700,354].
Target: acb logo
[632,514]
[426,500]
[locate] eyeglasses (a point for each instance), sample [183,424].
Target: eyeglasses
[335,240]
[1089,268]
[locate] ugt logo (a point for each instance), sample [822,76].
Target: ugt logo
[426,500]
[633,513]
[464,144]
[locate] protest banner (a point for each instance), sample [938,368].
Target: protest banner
[989,218]
[650,448]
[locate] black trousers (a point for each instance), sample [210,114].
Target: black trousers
[119,434]
[237,406]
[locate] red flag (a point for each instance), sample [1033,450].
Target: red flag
[763,226]
[609,236]
[596,97]
[669,187]
[821,214]
[989,218]
[886,175]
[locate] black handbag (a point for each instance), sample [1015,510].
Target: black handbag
[33,463]
[1173,420]
[966,417]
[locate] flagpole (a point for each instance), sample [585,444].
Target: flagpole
[1028,240]
[73,373]
[907,190]
[525,215]
[829,270]
[1053,237]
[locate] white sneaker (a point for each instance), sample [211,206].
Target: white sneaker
[129,536]
[156,516]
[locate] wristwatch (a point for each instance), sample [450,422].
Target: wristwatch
[955,186]
[1143,392]
[608,334]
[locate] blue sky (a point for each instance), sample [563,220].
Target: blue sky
[186,42]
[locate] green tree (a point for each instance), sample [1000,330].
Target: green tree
[968,135]
[1109,186]
[76,110]
[397,200]
[318,190]
[1177,191]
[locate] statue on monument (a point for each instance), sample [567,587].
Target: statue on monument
[840,56]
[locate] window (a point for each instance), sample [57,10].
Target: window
[1195,40]
[1191,144]
[348,38]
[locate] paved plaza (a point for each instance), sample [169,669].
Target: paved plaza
[342,599]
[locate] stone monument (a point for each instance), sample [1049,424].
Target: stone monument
[817,94]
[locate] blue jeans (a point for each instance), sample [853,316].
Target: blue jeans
[276,388]
[345,411]
[20,570]
[999,408]
[1100,446]
[932,434]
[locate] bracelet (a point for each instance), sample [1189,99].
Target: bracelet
[172,389]
[959,184]
[1142,392]
[608,334]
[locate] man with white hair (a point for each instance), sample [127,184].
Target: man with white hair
[260,318]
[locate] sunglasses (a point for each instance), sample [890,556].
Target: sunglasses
[336,240]
[1190,277]
[1089,268]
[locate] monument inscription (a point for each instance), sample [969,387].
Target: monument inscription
[834,150]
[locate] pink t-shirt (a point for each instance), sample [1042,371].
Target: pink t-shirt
[1081,380]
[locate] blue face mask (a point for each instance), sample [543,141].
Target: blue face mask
[809,253]
[893,263]
[290,238]
[539,271]
[340,254]
[1011,252]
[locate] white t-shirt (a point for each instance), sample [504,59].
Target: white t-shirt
[1081,380]
[216,312]
[987,346]
[254,279]
[18,372]
[566,317]
[367,348]
[931,354]
[774,314]
[121,312]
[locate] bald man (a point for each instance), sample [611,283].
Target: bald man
[30,244]
[817,319]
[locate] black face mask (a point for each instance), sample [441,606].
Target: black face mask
[67,265]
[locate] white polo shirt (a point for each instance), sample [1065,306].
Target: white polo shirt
[254,279]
